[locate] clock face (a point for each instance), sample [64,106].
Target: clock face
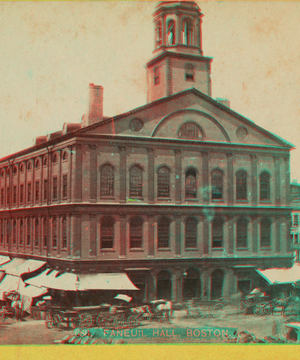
[242,133]
[136,125]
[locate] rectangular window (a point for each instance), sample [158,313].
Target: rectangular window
[21,232]
[65,186]
[54,233]
[29,192]
[64,233]
[55,188]
[7,231]
[295,220]
[21,194]
[45,190]
[37,191]
[7,197]
[45,232]
[15,195]
[2,232]
[28,232]
[2,197]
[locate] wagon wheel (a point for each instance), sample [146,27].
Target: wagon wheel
[242,308]
[100,320]
[118,320]
[258,309]
[218,311]
[49,321]
[86,320]
[57,322]
[132,321]
[199,312]
[267,309]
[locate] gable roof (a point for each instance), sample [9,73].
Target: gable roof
[201,96]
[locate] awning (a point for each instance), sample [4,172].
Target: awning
[12,264]
[31,291]
[117,281]
[25,267]
[244,266]
[4,259]
[72,282]
[11,282]
[138,269]
[276,276]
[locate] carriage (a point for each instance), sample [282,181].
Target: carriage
[105,316]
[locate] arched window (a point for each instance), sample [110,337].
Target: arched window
[54,158]
[187,32]
[107,232]
[28,232]
[21,240]
[265,233]
[36,233]
[264,186]
[65,156]
[217,184]
[189,72]
[136,182]
[29,165]
[107,181]
[158,34]
[45,160]
[7,171]
[37,164]
[14,232]
[54,232]
[2,173]
[241,185]
[64,233]
[191,233]
[136,232]
[241,233]
[217,233]
[190,184]
[22,168]
[163,232]
[190,130]
[15,170]
[156,75]
[163,182]
[163,285]
[171,32]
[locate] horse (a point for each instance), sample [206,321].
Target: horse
[163,306]
[142,310]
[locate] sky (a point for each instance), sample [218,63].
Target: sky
[51,51]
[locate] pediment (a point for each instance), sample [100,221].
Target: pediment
[174,118]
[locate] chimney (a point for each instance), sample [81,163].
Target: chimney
[95,105]
[222,101]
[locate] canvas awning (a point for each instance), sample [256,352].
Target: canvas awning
[28,266]
[4,259]
[275,276]
[12,264]
[117,281]
[11,282]
[72,282]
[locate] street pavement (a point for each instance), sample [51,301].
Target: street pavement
[35,332]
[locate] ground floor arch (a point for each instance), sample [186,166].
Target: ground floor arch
[163,285]
[191,284]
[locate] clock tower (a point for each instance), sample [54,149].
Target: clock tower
[178,62]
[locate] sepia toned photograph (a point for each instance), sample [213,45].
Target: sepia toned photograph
[149,177]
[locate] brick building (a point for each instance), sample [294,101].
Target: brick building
[184,194]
